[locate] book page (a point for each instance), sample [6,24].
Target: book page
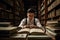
[36,31]
[24,30]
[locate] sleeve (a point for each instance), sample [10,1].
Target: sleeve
[22,23]
[39,25]
[37,22]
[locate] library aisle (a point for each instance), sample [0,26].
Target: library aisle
[13,11]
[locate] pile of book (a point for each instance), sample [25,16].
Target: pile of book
[39,37]
[5,24]
[53,29]
[19,37]
[6,30]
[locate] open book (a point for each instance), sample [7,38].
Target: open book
[33,31]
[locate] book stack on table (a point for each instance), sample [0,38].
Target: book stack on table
[53,29]
[19,37]
[5,24]
[7,31]
[39,37]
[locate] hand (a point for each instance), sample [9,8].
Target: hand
[26,26]
[32,26]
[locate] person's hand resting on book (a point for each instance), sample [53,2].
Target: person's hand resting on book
[30,26]
[26,26]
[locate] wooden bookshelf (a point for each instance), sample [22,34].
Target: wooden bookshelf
[49,10]
[11,10]
[52,10]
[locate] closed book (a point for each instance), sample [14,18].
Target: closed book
[54,29]
[19,37]
[39,37]
[53,34]
[4,24]
[52,22]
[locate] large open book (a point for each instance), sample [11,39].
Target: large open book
[33,31]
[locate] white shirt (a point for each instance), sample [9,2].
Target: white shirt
[23,22]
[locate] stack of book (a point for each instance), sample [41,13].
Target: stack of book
[53,29]
[5,24]
[7,31]
[39,37]
[19,37]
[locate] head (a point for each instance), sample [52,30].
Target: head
[30,13]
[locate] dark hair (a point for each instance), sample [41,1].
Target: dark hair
[31,10]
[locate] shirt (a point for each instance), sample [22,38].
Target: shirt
[23,22]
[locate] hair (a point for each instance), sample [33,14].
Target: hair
[31,10]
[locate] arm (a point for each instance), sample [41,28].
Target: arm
[37,22]
[22,23]
[39,25]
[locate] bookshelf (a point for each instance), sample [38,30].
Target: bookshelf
[49,10]
[11,10]
[52,10]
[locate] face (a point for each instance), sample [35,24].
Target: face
[30,15]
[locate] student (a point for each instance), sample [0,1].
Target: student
[30,21]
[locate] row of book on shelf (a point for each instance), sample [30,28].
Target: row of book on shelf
[54,4]
[51,6]
[54,13]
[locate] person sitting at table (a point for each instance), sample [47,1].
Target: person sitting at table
[30,21]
